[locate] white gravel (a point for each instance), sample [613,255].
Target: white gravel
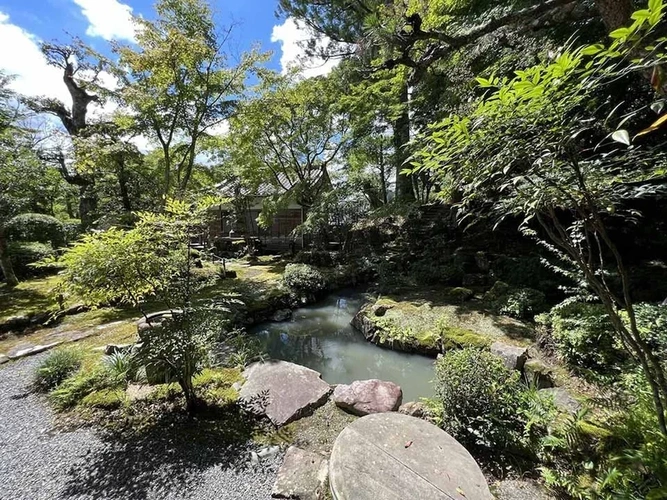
[38,462]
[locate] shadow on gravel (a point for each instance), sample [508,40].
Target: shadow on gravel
[167,457]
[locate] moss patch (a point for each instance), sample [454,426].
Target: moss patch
[428,320]
[31,296]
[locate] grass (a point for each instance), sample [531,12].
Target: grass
[28,297]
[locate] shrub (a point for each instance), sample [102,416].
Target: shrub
[56,368]
[303,278]
[520,303]
[319,258]
[71,230]
[652,322]
[23,255]
[177,350]
[480,397]
[36,227]
[583,335]
[74,389]
[122,364]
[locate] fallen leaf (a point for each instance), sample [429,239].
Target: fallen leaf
[460,492]
[408,444]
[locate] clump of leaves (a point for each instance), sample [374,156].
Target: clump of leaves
[58,366]
[480,398]
[74,389]
[303,278]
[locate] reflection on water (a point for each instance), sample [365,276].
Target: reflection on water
[320,337]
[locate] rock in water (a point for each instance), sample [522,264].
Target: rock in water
[364,397]
[521,490]
[390,456]
[414,409]
[283,391]
[303,476]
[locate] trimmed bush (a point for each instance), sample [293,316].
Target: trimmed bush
[71,230]
[303,278]
[36,227]
[24,254]
[481,398]
[58,366]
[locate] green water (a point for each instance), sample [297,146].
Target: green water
[320,337]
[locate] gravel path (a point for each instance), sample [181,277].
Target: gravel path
[37,462]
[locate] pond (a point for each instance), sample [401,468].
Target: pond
[321,337]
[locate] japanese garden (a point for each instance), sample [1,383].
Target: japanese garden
[425,258]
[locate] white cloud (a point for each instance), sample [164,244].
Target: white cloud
[109,19]
[34,77]
[291,35]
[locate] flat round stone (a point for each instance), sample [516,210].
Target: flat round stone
[390,456]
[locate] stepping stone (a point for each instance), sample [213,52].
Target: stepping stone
[302,476]
[283,391]
[513,357]
[29,351]
[364,397]
[136,392]
[3,359]
[391,456]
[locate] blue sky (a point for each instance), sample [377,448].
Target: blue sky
[24,23]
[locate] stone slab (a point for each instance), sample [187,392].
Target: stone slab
[513,357]
[302,476]
[363,397]
[29,351]
[3,359]
[283,391]
[391,456]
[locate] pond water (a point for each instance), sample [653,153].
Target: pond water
[321,337]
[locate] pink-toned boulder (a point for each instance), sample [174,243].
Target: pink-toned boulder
[364,397]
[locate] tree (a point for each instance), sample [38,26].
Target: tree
[289,136]
[547,146]
[78,76]
[178,83]
[151,261]
[23,177]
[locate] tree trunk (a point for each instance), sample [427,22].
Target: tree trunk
[6,263]
[404,191]
[122,185]
[87,205]
[614,13]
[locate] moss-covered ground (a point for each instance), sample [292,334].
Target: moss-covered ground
[435,317]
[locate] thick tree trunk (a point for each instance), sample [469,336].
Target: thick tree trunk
[404,191]
[87,205]
[6,263]
[614,13]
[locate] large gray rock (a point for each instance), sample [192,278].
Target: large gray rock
[514,357]
[364,397]
[3,359]
[390,456]
[283,391]
[521,490]
[563,400]
[303,476]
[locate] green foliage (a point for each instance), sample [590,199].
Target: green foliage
[105,399]
[521,303]
[652,323]
[584,337]
[24,255]
[121,364]
[130,266]
[36,227]
[303,278]
[460,294]
[71,229]
[74,389]
[318,258]
[57,367]
[480,397]
[178,349]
